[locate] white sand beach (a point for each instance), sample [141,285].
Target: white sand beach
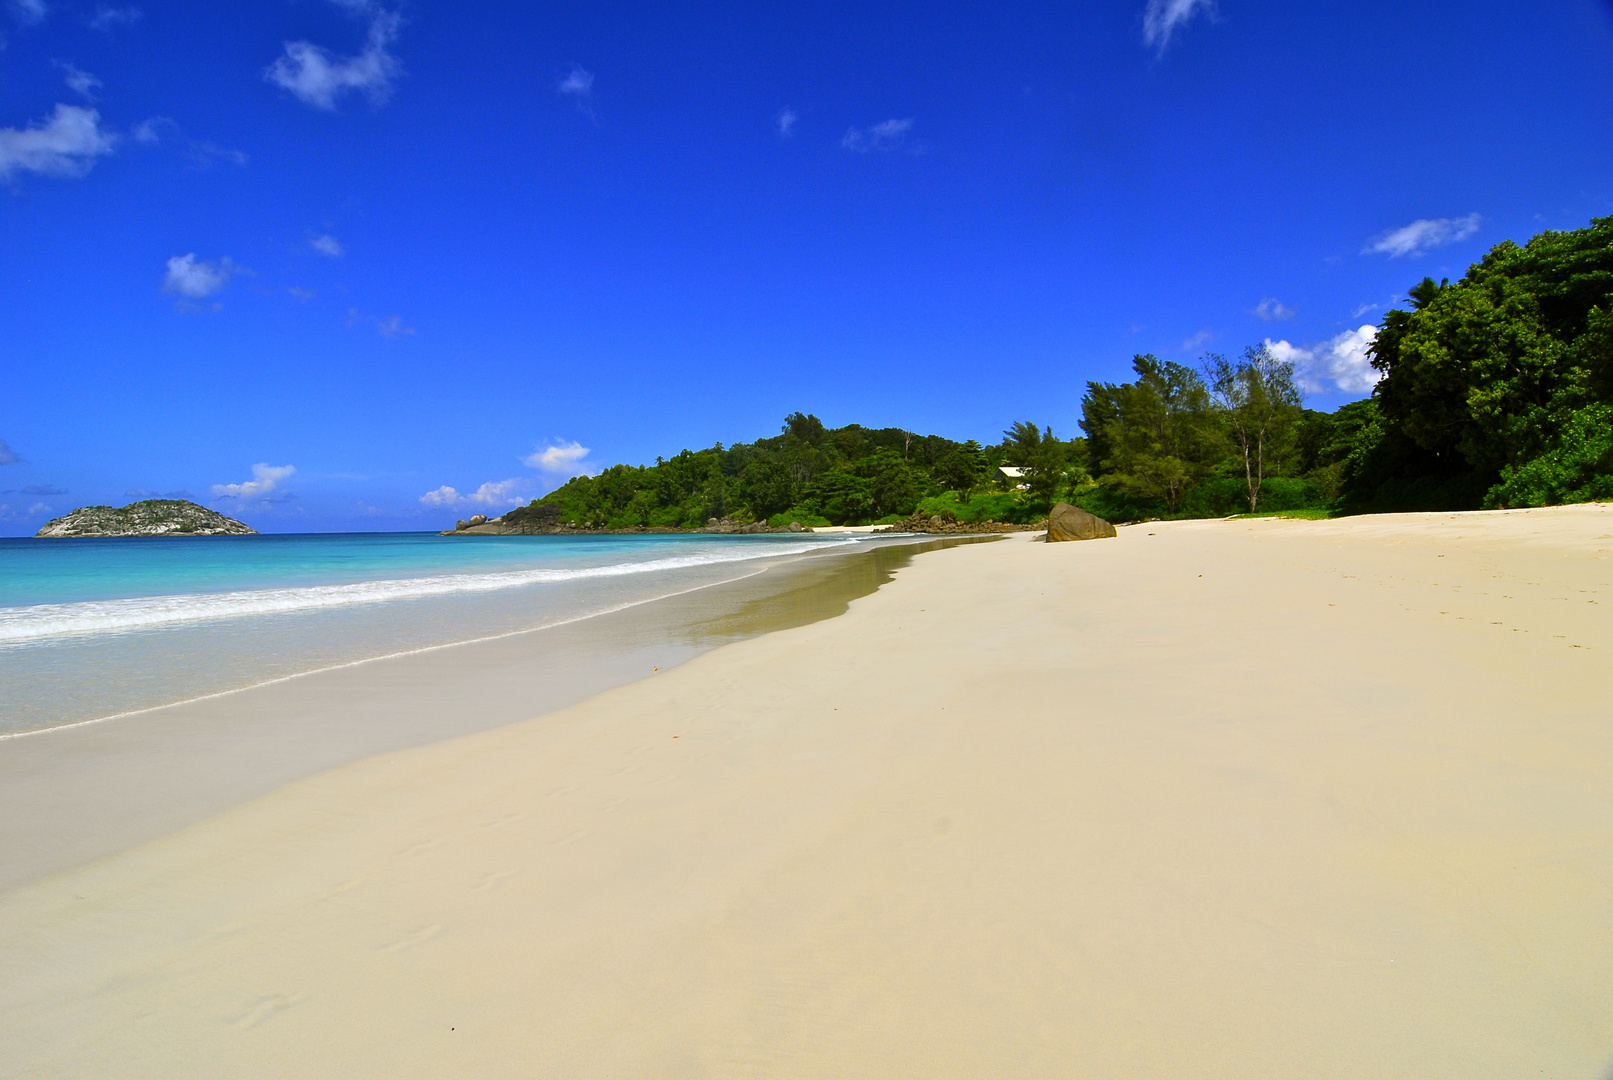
[1212,799]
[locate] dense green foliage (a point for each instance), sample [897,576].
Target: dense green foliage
[816,476]
[1181,442]
[1497,389]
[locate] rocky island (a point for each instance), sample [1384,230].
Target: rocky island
[152,517]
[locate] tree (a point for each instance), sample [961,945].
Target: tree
[1257,395]
[962,468]
[1041,456]
[1154,433]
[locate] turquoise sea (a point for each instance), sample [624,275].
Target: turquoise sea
[91,628]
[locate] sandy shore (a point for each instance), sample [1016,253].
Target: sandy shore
[1230,799]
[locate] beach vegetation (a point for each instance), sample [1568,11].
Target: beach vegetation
[1259,403]
[1496,390]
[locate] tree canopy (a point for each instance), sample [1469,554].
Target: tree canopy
[1496,390]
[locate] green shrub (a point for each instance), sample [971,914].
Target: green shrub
[811,519]
[1579,468]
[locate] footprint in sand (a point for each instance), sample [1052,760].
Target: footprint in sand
[418,938]
[266,1007]
[505,820]
[489,880]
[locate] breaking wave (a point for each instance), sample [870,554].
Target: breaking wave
[24,624]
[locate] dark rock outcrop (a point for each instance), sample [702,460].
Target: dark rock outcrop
[1067,522]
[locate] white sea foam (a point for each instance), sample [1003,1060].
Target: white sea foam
[24,624]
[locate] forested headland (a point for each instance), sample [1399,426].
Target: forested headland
[1496,390]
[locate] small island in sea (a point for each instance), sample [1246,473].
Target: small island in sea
[150,517]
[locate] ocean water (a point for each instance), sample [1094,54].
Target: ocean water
[91,628]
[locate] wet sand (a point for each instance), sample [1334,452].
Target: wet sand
[73,795]
[1223,799]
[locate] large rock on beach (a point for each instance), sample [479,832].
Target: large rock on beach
[1066,522]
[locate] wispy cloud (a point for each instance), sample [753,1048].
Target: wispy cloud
[8,456]
[327,245]
[318,78]
[28,12]
[66,144]
[1340,364]
[150,132]
[883,137]
[785,122]
[78,80]
[266,480]
[511,492]
[1422,236]
[1273,310]
[190,279]
[390,327]
[204,154]
[200,153]
[1189,344]
[43,489]
[300,294]
[1163,18]
[106,19]
[578,85]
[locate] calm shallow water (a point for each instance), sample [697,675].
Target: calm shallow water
[91,628]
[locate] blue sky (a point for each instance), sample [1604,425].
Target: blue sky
[342,264]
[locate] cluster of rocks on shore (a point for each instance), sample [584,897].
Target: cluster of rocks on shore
[935,523]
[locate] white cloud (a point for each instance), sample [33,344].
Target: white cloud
[1162,18]
[150,132]
[28,12]
[493,493]
[327,245]
[562,459]
[578,83]
[318,77]
[194,280]
[65,145]
[107,19]
[1422,235]
[1340,364]
[8,456]
[392,326]
[265,480]
[1273,310]
[79,81]
[300,294]
[1196,340]
[579,86]
[785,122]
[885,136]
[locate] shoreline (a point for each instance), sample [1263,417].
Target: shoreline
[1249,798]
[76,792]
